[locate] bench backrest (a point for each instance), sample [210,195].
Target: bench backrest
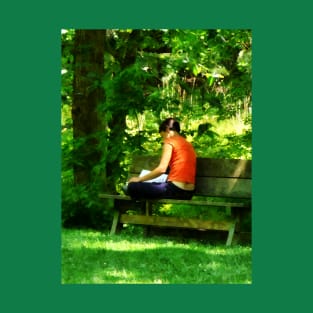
[214,178]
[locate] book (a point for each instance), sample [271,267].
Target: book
[160,179]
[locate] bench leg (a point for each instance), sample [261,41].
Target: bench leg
[120,207]
[230,236]
[148,212]
[115,222]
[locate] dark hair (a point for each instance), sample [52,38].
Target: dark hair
[171,124]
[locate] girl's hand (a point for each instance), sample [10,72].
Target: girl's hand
[134,180]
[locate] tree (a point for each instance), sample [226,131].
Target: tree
[88,93]
[82,155]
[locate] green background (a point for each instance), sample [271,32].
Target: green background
[31,159]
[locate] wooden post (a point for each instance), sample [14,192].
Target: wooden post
[230,234]
[228,210]
[115,222]
[147,228]
[148,208]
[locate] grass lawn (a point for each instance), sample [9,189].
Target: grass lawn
[92,257]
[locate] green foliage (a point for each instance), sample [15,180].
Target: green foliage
[230,146]
[80,203]
[81,206]
[188,211]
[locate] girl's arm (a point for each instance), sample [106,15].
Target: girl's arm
[160,169]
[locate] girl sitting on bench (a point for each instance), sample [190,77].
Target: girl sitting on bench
[179,157]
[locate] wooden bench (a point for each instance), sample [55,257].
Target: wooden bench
[222,183]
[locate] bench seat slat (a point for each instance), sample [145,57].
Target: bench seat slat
[175,201]
[203,202]
[109,196]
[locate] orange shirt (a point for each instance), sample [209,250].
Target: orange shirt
[183,161]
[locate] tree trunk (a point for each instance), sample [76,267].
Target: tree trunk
[87,94]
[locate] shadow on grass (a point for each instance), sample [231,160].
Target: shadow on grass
[124,261]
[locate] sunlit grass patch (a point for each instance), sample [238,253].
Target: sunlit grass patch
[90,257]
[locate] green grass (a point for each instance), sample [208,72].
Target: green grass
[92,257]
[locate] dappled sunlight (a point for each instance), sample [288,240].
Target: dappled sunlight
[117,244]
[121,275]
[98,241]
[239,171]
[92,257]
[232,125]
[240,168]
